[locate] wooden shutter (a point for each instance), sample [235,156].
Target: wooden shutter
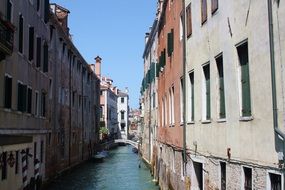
[29,110]
[245,83]
[215,5]
[222,109]
[189,20]
[204,10]
[8,92]
[45,68]
[21,24]
[192,95]
[208,91]
[31,43]
[39,51]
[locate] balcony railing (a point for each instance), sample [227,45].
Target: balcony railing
[6,37]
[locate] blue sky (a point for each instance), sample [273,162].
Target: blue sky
[114,30]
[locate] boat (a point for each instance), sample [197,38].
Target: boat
[99,157]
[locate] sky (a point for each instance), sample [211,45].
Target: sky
[114,30]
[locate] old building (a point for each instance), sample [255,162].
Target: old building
[25,89]
[74,99]
[170,94]
[234,96]
[108,102]
[123,114]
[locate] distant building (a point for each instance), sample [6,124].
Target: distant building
[123,114]
[108,102]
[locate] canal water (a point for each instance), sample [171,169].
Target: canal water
[119,171]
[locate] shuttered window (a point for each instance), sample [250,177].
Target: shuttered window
[191,77]
[39,51]
[245,79]
[31,43]
[189,20]
[207,91]
[29,110]
[45,66]
[9,10]
[8,92]
[222,109]
[21,34]
[47,9]
[38,4]
[215,5]
[204,11]
[22,97]
[170,42]
[43,104]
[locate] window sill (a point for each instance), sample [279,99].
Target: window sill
[246,118]
[206,121]
[222,120]
[181,124]
[191,122]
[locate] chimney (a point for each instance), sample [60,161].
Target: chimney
[98,66]
[146,37]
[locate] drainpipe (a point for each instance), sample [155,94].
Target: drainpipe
[184,90]
[70,108]
[273,80]
[149,120]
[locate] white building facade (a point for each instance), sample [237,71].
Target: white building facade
[123,114]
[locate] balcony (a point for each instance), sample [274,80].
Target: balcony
[6,38]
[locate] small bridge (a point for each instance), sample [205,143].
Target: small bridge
[133,143]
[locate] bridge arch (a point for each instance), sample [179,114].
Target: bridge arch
[132,143]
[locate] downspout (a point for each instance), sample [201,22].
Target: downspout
[70,106]
[82,116]
[273,80]
[149,126]
[184,90]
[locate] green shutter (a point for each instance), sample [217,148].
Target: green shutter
[170,42]
[245,83]
[208,91]
[246,107]
[192,95]
[222,98]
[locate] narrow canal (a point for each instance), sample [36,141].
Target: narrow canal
[119,171]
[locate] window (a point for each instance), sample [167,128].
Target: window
[29,106]
[31,43]
[35,151]
[38,4]
[153,100]
[181,100]
[122,115]
[4,165]
[42,151]
[163,112]
[204,11]
[122,100]
[37,104]
[39,51]
[45,66]
[8,92]
[169,108]
[191,97]
[222,108]
[275,181]
[21,33]
[247,178]
[73,98]
[47,9]
[22,97]
[189,20]
[9,10]
[215,6]
[170,42]
[223,176]
[43,104]
[17,163]
[198,169]
[207,92]
[181,27]
[245,80]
